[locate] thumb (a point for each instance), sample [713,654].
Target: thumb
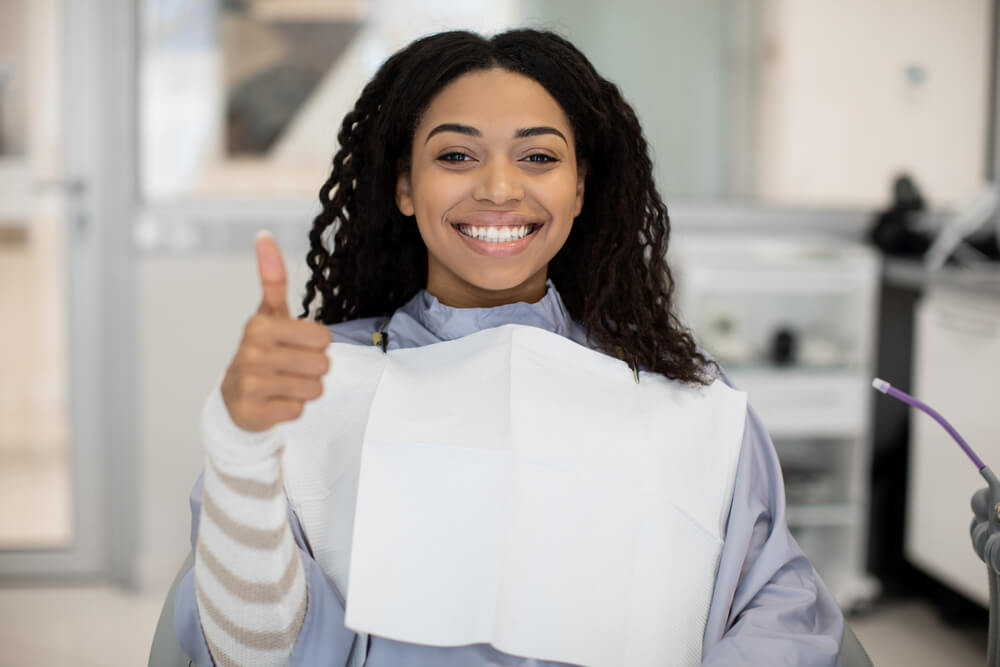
[273,280]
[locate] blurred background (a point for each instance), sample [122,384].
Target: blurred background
[831,173]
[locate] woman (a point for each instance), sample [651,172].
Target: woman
[479,183]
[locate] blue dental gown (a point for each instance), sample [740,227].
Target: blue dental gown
[769,606]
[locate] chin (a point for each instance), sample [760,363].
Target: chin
[499,283]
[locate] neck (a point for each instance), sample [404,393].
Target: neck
[458,293]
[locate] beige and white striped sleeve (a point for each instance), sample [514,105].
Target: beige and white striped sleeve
[249,579]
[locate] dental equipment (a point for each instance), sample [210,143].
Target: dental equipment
[985,528]
[950,240]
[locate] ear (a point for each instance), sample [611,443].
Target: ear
[581,178]
[404,194]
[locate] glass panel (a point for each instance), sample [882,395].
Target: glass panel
[244,97]
[12,62]
[670,61]
[35,479]
[231,95]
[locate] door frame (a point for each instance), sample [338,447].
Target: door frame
[98,53]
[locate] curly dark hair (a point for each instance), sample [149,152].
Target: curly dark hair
[611,272]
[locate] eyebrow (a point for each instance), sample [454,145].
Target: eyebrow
[536,131]
[474,132]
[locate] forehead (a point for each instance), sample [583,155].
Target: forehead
[494,99]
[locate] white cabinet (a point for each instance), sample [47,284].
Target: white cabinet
[793,324]
[956,363]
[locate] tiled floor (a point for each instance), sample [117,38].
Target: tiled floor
[75,627]
[99,627]
[912,634]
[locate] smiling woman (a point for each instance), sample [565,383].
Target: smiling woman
[590,191]
[533,464]
[494,185]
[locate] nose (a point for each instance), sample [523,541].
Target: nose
[500,183]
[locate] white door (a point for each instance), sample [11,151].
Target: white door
[65,268]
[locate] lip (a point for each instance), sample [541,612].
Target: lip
[506,249]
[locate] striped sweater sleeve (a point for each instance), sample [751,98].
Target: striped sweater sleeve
[249,580]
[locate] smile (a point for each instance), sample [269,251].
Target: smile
[497,234]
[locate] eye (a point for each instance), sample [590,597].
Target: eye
[455,156]
[541,158]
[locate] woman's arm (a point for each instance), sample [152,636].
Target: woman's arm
[255,595]
[249,583]
[769,607]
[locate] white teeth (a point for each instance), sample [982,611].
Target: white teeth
[495,234]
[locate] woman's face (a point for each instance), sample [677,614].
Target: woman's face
[494,185]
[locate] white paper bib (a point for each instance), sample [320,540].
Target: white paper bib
[515,488]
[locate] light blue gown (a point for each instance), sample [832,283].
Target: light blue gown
[769,606]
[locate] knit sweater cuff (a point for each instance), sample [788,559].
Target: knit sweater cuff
[230,447]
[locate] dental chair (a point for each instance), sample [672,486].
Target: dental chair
[167,652]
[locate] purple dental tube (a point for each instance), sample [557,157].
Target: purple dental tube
[985,528]
[886,388]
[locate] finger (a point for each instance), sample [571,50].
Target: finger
[268,413]
[273,278]
[266,330]
[265,387]
[287,360]
[284,410]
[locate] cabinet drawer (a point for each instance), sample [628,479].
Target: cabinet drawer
[803,404]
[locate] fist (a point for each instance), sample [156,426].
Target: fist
[280,362]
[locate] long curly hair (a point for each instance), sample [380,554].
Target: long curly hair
[368,259]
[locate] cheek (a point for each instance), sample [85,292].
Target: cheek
[559,197]
[435,196]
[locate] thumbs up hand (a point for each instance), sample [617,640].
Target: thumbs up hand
[280,362]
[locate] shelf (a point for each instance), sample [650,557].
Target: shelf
[792,371]
[805,404]
[813,305]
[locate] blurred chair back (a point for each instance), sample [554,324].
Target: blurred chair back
[166,650]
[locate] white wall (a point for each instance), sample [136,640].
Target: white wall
[192,309]
[838,117]
[189,310]
[668,60]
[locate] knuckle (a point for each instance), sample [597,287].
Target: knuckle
[232,377]
[232,387]
[319,364]
[318,333]
[255,327]
[252,355]
[249,384]
[240,410]
[316,389]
